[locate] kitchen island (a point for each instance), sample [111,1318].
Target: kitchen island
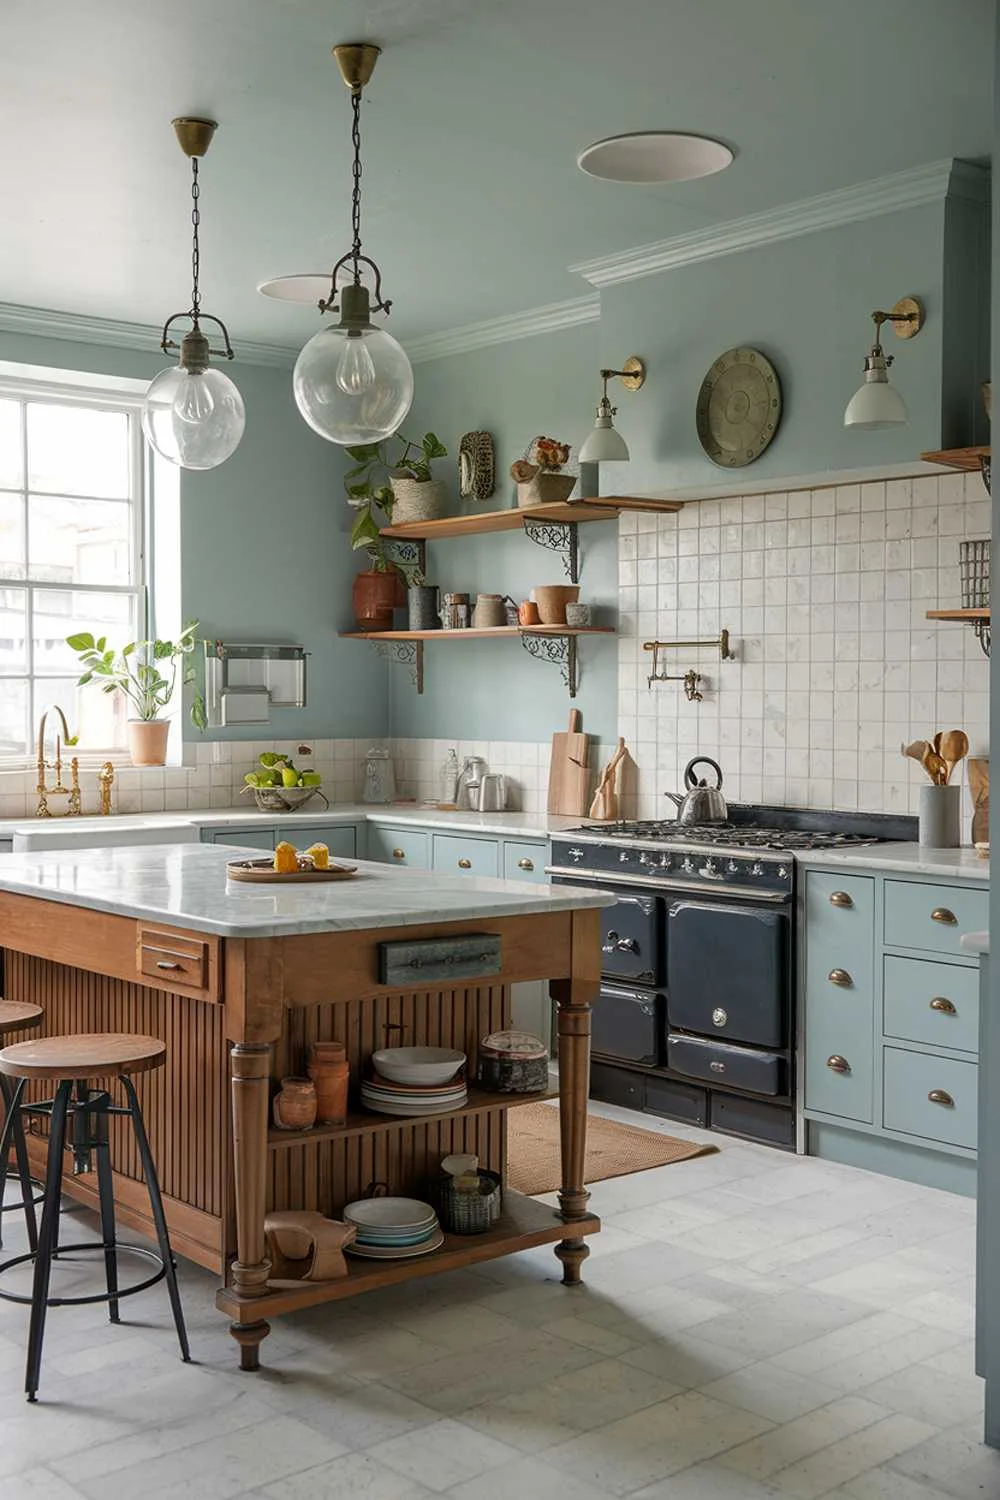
[238,980]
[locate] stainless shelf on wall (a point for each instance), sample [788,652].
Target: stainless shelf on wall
[552,643]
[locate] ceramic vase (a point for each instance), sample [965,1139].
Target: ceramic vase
[940,818]
[374,596]
[330,1072]
[294,1107]
[147,741]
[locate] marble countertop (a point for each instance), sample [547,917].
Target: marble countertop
[185,886]
[910,859]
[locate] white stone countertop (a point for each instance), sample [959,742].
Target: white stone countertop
[910,859]
[185,885]
[976,942]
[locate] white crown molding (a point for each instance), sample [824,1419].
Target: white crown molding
[866,200]
[78,328]
[548,319]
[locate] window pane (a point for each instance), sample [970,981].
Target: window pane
[79,541]
[10,444]
[78,450]
[13,632]
[57,613]
[11,534]
[97,719]
[13,717]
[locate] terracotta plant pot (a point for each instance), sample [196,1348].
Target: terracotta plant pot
[331,1073]
[417,501]
[374,596]
[547,488]
[147,741]
[295,1106]
[552,599]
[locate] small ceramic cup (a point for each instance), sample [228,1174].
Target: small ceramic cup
[527,613]
[577,615]
[459,1164]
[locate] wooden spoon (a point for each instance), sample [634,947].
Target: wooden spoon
[916,750]
[954,747]
[935,767]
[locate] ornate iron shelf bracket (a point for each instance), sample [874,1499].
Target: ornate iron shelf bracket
[411,556]
[405,654]
[982,633]
[558,649]
[557,536]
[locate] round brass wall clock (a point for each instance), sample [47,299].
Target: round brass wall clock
[739,408]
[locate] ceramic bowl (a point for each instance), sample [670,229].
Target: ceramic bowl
[552,599]
[418,1065]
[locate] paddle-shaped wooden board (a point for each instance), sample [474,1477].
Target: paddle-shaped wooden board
[569,770]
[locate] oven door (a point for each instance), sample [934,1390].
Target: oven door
[728,972]
[631,931]
[627,1025]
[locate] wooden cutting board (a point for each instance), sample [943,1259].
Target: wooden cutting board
[569,770]
[979,791]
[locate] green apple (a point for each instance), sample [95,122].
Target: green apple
[289,776]
[310,778]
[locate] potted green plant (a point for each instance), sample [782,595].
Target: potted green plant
[147,673]
[384,487]
[539,475]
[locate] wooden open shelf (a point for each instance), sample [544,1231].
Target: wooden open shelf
[967,459]
[594,508]
[522,1224]
[366,1122]
[958,614]
[498,632]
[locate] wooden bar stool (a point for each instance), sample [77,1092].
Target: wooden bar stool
[75,1063]
[17,1015]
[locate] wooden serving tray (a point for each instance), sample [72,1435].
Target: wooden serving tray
[262,871]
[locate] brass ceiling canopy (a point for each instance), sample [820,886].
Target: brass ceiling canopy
[194,136]
[356,61]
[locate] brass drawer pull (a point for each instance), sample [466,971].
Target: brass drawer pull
[941,1096]
[838,1064]
[841,978]
[526,864]
[465,864]
[942,914]
[841,898]
[399,853]
[946,1008]
[162,964]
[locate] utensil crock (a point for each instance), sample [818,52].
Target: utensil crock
[940,817]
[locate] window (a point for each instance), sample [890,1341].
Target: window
[71,554]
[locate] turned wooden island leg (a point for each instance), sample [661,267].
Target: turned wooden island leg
[573,996]
[249,1271]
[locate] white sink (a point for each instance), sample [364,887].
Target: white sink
[62,834]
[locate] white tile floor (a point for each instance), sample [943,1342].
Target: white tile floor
[752,1325]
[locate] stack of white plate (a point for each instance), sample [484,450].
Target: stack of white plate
[388,1098]
[393,1228]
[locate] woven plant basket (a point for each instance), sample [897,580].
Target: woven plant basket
[416,501]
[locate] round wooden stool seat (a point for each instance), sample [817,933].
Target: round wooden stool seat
[101,1054]
[15,1014]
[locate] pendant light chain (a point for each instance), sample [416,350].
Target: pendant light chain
[195,247]
[356,192]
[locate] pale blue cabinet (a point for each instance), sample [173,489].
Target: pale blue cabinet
[932,1097]
[465,854]
[931,916]
[932,1003]
[399,846]
[254,837]
[839,995]
[341,839]
[525,860]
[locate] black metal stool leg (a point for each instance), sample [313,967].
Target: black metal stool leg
[159,1218]
[47,1237]
[106,1195]
[14,1132]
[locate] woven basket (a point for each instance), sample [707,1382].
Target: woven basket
[415,501]
[470,1213]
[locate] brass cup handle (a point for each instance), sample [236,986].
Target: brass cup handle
[941,1096]
[841,898]
[946,1008]
[465,864]
[838,1064]
[942,914]
[841,978]
[399,853]
[526,864]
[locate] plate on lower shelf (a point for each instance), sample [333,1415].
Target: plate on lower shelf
[396,1252]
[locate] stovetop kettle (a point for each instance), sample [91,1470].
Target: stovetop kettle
[701,803]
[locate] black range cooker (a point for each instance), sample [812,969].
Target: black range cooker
[696,1018]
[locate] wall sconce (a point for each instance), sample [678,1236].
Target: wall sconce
[876,403]
[604,445]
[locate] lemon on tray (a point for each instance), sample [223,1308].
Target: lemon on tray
[286,860]
[320,856]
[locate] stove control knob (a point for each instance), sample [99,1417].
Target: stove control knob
[710,870]
[782,872]
[756,868]
[732,867]
[688,866]
[644,858]
[576,855]
[624,857]
[665,861]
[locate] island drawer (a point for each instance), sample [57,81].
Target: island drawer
[931,1002]
[177,961]
[933,916]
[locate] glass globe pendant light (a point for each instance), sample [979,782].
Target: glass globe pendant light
[193,415]
[352,382]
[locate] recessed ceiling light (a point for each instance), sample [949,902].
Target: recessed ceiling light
[654,156]
[310,287]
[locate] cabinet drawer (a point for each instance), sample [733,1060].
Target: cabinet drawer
[254,837]
[910,1079]
[341,841]
[466,856]
[839,1010]
[524,861]
[933,916]
[176,961]
[399,846]
[931,1002]
[840,918]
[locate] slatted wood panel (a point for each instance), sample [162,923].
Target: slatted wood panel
[185,1103]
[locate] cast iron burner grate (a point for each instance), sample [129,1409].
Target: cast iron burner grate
[732,835]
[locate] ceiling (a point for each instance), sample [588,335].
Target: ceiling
[474,206]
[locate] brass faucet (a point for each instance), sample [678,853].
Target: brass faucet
[72,792]
[106,777]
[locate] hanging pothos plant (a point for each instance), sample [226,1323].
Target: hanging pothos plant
[369,490]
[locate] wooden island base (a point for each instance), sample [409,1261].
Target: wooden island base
[238,1014]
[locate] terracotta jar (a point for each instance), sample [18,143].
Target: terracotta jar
[294,1107]
[331,1073]
[374,596]
[147,741]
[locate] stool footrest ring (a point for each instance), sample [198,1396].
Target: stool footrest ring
[66,1252]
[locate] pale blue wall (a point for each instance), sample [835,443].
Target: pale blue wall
[265,551]
[487,689]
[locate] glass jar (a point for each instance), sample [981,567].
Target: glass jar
[380,780]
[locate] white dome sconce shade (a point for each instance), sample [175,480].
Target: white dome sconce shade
[604,444]
[193,415]
[876,403]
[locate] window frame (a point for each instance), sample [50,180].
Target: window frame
[114,394]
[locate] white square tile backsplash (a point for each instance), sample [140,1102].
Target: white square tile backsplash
[824,593]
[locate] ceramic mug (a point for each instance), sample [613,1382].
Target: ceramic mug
[578,615]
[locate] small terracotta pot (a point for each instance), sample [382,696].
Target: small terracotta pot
[147,741]
[552,599]
[331,1073]
[374,596]
[294,1107]
[527,613]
